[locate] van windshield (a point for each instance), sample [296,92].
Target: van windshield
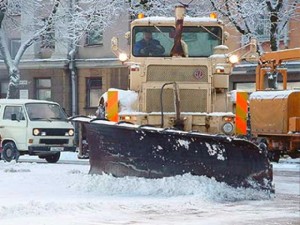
[45,111]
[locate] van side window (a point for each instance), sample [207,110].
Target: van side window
[9,111]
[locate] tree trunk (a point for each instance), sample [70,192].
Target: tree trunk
[13,86]
[274,20]
[273,31]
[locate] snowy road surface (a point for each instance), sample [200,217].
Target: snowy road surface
[64,194]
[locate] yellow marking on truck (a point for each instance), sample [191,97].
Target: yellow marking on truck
[241,113]
[112,106]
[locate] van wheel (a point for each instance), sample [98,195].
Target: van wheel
[53,158]
[10,152]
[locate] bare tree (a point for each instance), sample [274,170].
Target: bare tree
[252,18]
[10,11]
[47,22]
[92,15]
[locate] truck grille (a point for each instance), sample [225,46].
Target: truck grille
[186,104]
[177,73]
[55,132]
[54,141]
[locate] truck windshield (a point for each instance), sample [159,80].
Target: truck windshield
[45,111]
[158,41]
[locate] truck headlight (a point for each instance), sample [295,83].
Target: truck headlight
[233,59]
[123,56]
[71,132]
[227,128]
[36,132]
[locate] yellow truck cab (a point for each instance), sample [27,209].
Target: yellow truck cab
[34,127]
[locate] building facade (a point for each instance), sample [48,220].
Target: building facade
[50,72]
[77,81]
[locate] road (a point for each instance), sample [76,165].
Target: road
[64,194]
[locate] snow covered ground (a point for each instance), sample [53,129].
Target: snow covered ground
[65,194]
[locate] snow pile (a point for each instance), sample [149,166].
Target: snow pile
[201,187]
[79,181]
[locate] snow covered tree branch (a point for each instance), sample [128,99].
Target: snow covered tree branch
[263,19]
[47,22]
[166,7]
[256,18]
[9,22]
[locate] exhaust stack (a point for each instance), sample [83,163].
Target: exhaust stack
[178,49]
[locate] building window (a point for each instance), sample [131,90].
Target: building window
[43,88]
[95,35]
[94,91]
[262,27]
[14,47]
[4,88]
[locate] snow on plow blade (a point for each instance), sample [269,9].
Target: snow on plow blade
[143,151]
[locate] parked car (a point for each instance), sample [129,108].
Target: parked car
[34,127]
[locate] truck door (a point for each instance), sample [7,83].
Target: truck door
[14,125]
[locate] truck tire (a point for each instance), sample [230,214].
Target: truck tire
[53,158]
[10,152]
[274,156]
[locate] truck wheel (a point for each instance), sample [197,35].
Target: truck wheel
[53,158]
[10,152]
[295,155]
[274,156]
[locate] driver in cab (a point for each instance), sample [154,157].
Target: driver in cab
[148,46]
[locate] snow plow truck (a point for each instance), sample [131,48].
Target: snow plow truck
[174,118]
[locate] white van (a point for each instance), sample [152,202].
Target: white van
[34,127]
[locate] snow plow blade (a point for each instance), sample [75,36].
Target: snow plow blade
[123,149]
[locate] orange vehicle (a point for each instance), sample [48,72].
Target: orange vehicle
[275,113]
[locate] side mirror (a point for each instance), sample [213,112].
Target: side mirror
[14,116]
[114,44]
